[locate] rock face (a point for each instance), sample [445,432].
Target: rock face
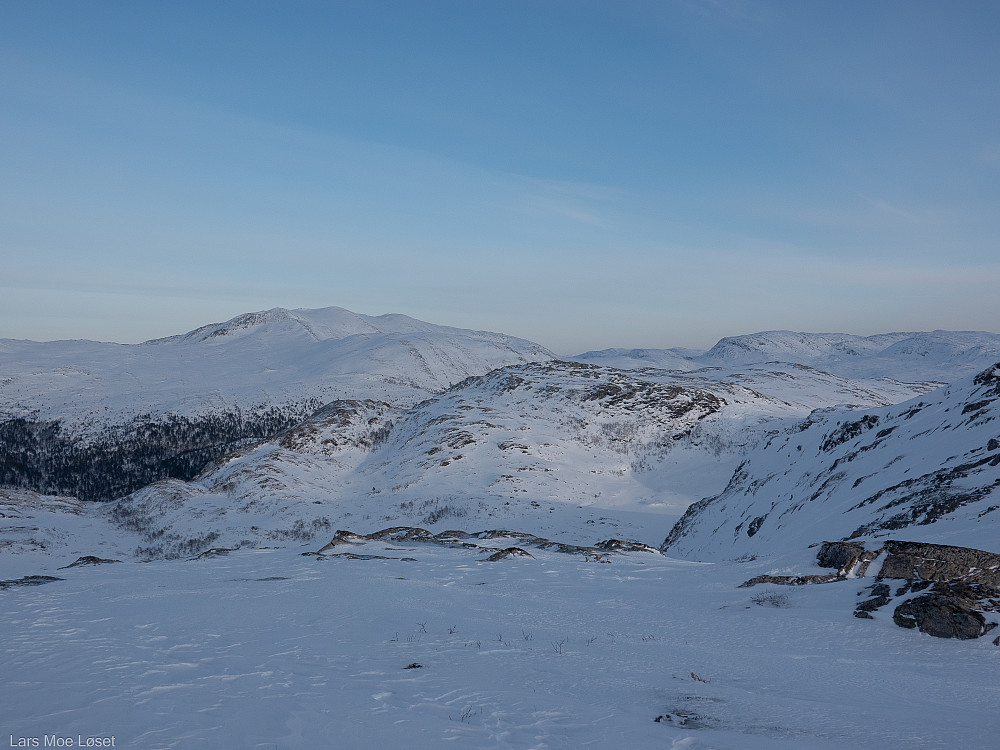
[914,560]
[28,581]
[842,555]
[940,562]
[850,558]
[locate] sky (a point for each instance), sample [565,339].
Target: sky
[583,174]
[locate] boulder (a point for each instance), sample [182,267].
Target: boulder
[941,616]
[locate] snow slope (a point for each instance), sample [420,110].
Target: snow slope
[924,470]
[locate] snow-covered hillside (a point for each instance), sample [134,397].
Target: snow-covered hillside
[558,448]
[924,470]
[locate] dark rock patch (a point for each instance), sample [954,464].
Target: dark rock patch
[940,616]
[881,595]
[504,554]
[841,555]
[790,580]
[940,562]
[88,560]
[465,540]
[28,581]
[963,582]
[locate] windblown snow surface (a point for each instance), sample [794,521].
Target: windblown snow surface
[266,648]
[230,622]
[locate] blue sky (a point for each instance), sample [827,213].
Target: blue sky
[583,174]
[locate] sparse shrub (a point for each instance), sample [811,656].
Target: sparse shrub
[771,599]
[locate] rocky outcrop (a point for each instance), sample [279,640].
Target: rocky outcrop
[940,562]
[914,561]
[466,540]
[620,545]
[841,555]
[850,558]
[88,560]
[790,580]
[505,554]
[880,596]
[963,582]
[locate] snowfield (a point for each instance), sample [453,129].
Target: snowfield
[267,648]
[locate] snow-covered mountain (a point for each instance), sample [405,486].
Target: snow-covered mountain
[98,420]
[939,356]
[924,470]
[277,357]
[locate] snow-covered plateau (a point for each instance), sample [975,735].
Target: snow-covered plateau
[312,528]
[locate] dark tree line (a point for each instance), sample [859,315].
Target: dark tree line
[39,455]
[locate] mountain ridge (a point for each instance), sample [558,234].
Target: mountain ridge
[939,356]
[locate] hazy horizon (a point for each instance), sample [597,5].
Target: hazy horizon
[583,175]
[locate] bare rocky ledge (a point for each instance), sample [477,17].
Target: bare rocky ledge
[471,541]
[961,584]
